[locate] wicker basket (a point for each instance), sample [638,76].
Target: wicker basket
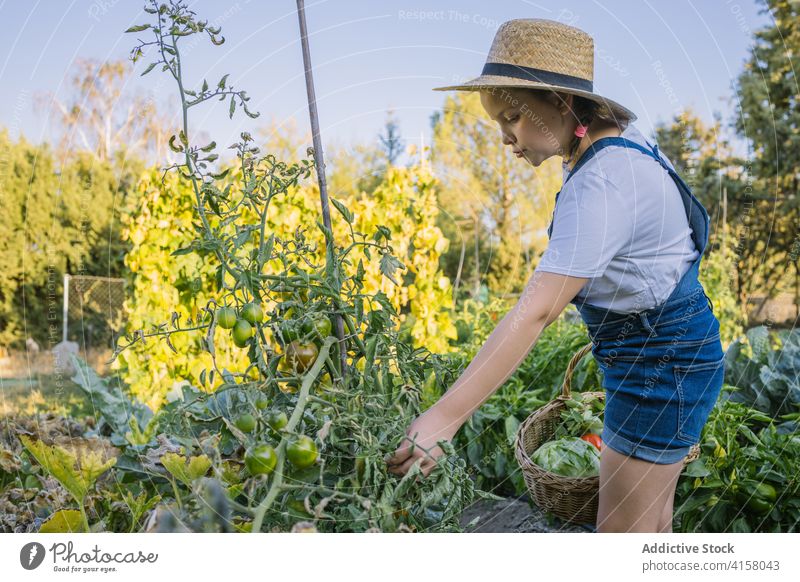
[573,499]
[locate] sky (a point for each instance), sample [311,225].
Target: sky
[656,58]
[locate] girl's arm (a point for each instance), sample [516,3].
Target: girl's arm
[542,301]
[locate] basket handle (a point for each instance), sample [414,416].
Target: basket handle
[566,389]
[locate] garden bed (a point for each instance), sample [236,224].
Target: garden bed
[514,515]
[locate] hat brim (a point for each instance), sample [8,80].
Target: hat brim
[491,81]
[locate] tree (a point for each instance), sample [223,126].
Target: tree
[767,91]
[491,202]
[54,220]
[720,181]
[391,142]
[100,117]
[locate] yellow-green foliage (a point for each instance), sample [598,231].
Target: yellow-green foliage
[76,469]
[717,273]
[186,470]
[161,284]
[404,202]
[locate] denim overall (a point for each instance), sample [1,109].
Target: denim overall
[662,367]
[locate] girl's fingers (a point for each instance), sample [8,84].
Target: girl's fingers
[402,453]
[399,456]
[406,467]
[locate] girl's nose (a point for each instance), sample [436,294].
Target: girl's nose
[507,140]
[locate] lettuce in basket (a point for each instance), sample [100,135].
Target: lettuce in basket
[569,457]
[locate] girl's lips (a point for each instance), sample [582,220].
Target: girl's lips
[520,154]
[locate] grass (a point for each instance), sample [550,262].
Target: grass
[40,393]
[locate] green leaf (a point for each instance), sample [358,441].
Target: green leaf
[184,471]
[389,265]
[511,426]
[382,232]
[173,146]
[232,108]
[76,475]
[221,175]
[148,69]
[266,253]
[343,210]
[222,81]
[115,408]
[488,495]
[183,251]
[325,231]
[696,469]
[138,28]
[63,521]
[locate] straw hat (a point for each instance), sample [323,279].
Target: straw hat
[535,53]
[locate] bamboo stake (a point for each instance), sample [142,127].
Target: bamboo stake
[320,165]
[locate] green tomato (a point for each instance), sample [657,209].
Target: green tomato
[246,423]
[277,419]
[262,402]
[252,313]
[226,317]
[317,325]
[302,452]
[242,332]
[260,459]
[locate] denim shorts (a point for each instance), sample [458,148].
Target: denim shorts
[662,373]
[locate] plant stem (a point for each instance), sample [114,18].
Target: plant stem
[84,517]
[297,414]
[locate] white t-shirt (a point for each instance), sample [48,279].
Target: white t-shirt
[620,222]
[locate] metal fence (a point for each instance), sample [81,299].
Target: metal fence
[93,309]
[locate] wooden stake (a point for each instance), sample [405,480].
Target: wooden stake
[320,165]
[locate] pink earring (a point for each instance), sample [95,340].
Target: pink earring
[580,131]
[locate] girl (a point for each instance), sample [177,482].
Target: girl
[625,245]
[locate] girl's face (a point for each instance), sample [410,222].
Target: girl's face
[534,125]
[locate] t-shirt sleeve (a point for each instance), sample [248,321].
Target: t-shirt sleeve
[593,223]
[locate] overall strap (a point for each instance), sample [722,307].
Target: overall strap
[604,142]
[697,215]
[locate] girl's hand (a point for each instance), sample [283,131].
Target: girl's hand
[428,428]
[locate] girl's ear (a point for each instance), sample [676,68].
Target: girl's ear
[565,103]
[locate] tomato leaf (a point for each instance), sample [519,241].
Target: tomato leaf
[343,210]
[63,521]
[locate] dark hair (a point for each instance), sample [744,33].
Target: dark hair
[585,110]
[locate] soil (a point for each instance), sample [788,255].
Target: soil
[515,515]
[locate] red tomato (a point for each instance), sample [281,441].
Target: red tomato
[593,439]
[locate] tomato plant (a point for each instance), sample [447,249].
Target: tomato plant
[285,295]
